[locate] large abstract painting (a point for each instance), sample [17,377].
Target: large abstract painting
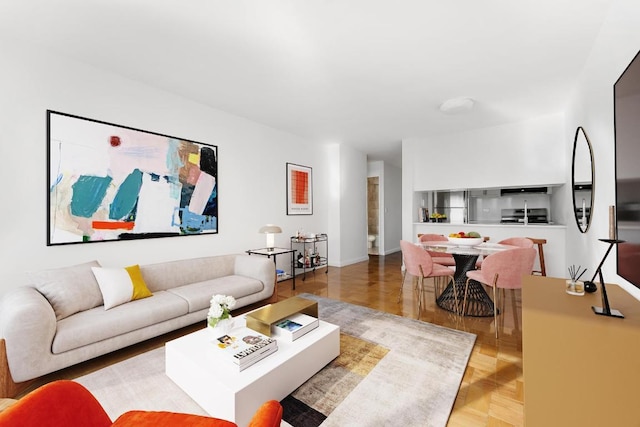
[299,190]
[108,182]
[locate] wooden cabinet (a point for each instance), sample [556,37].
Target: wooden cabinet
[580,369]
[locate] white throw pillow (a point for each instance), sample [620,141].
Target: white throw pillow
[120,285]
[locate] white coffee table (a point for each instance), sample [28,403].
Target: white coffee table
[216,385]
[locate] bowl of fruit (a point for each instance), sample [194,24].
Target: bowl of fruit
[462,238]
[438,217]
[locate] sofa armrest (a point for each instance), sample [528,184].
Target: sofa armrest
[28,325]
[257,267]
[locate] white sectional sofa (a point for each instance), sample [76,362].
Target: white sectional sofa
[60,319]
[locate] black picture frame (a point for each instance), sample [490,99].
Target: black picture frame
[299,189]
[108,182]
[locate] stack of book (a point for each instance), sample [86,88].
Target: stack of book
[244,347]
[295,326]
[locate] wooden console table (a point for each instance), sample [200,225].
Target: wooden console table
[580,369]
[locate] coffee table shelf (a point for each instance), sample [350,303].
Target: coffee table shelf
[264,318]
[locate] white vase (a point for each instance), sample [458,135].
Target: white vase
[223,327]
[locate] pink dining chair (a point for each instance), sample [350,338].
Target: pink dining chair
[418,263]
[503,270]
[521,242]
[439,257]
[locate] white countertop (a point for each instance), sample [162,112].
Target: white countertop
[477,225]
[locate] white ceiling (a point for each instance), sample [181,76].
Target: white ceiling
[367,73]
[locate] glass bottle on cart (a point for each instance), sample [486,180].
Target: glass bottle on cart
[312,252]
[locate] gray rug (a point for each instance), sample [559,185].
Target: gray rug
[414,384]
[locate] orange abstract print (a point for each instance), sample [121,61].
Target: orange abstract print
[299,187]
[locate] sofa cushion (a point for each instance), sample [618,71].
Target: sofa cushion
[168,275]
[68,289]
[120,285]
[198,295]
[95,325]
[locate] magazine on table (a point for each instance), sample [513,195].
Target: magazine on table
[295,326]
[245,346]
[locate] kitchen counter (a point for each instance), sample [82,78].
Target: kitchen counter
[496,224]
[555,234]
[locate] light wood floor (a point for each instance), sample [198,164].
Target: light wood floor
[491,393]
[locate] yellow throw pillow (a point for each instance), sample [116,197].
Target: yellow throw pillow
[120,285]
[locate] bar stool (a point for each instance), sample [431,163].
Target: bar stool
[539,243]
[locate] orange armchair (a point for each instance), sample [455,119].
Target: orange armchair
[68,403]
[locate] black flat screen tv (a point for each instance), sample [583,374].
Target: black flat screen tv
[627,153]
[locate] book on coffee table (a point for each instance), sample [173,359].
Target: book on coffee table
[244,346]
[263,353]
[295,326]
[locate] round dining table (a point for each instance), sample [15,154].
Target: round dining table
[479,304]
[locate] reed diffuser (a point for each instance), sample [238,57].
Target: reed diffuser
[574,285]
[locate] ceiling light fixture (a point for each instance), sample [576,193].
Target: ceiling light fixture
[457,105]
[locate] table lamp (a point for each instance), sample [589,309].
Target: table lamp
[270,230]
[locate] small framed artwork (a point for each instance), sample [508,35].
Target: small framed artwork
[299,190]
[109,182]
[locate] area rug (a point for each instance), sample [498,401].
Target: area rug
[393,370]
[311,403]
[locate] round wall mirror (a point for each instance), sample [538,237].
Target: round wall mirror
[582,179]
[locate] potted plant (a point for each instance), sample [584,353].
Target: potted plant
[219,316]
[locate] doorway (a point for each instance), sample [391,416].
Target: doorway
[373,215]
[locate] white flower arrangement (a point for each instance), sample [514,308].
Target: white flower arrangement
[221,306]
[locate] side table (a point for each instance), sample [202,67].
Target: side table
[274,252]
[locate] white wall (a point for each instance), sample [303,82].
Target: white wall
[392,208]
[592,108]
[348,205]
[252,157]
[524,153]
